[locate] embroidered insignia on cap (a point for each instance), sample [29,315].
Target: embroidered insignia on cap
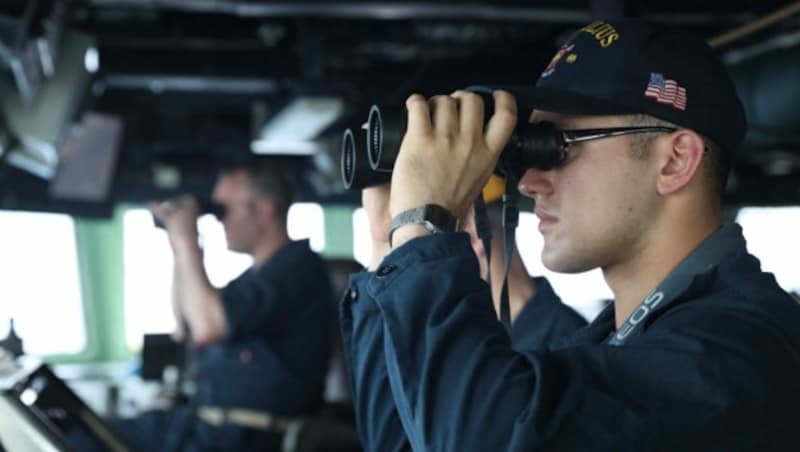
[604,32]
[561,52]
[666,91]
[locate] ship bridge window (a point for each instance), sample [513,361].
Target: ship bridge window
[41,288]
[771,234]
[148,264]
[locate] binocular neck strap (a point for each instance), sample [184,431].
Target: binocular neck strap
[510,221]
[484,231]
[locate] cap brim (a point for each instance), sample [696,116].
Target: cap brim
[564,102]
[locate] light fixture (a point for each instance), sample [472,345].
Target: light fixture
[292,130]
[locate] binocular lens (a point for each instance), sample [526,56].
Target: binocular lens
[348,160]
[385,129]
[374,136]
[356,169]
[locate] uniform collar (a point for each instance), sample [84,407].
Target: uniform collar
[693,277]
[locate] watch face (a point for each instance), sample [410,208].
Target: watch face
[430,227]
[440,218]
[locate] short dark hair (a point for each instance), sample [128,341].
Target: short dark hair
[716,163]
[269,178]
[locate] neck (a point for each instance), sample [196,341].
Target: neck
[658,254]
[272,241]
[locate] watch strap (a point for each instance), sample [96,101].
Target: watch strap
[435,218]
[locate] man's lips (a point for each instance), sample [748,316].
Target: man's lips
[545,219]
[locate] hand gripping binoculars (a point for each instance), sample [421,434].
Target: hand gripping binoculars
[369,151]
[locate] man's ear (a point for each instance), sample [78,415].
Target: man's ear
[266,210]
[682,153]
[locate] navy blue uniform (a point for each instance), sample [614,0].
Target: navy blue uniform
[274,358]
[715,367]
[544,319]
[277,349]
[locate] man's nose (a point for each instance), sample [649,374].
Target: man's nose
[535,182]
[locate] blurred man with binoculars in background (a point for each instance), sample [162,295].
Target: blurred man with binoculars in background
[700,349]
[262,343]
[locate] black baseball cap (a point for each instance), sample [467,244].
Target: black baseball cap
[632,66]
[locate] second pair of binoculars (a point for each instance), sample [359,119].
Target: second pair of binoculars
[369,151]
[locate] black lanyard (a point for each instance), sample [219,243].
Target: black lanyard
[703,260]
[483,229]
[510,221]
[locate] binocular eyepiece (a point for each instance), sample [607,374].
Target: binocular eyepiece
[538,145]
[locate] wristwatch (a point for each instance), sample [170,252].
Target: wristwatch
[435,218]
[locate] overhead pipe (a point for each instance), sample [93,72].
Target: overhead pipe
[756,25]
[766,78]
[403,11]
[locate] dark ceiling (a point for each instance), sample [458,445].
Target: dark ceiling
[192,80]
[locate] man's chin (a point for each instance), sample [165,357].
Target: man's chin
[551,259]
[561,264]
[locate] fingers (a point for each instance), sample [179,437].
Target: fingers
[186,201]
[161,209]
[182,205]
[472,111]
[419,119]
[447,154]
[502,123]
[460,112]
[445,112]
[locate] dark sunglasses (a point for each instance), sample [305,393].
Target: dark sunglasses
[213,208]
[543,146]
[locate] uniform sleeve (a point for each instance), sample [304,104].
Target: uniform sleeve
[458,385]
[249,303]
[377,420]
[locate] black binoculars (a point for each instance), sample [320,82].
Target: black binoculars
[205,206]
[538,145]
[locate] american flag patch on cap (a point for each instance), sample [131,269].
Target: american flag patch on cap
[666,91]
